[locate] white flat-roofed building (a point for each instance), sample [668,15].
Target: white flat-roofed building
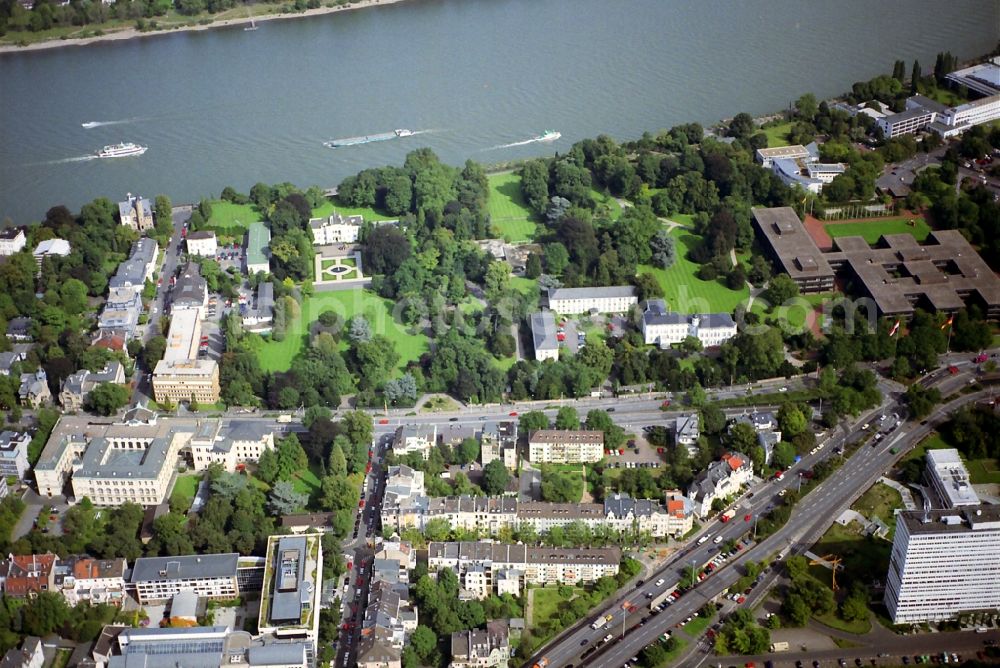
[158,579]
[972,113]
[12,240]
[906,122]
[336,229]
[202,243]
[983,78]
[565,446]
[767,156]
[183,336]
[290,603]
[611,299]
[14,454]
[543,335]
[49,248]
[944,563]
[181,380]
[950,479]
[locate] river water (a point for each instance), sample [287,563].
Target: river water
[230,107]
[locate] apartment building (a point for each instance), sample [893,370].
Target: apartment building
[393,561]
[766,427]
[27,575]
[14,454]
[134,459]
[944,563]
[565,446]
[202,243]
[486,514]
[190,291]
[121,311]
[158,579]
[94,581]
[722,478]
[77,387]
[404,503]
[28,655]
[499,441]
[414,438]
[290,604]
[481,648]
[336,229]
[663,328]
[182,380]
[201,646]
[136,212]
[537,565]
[950,480]
[138,268]
[611,299]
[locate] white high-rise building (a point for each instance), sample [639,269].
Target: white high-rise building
[944,563]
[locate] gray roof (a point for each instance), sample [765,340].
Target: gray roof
[713,320]
[656,313]
[20,326]
[928,104]
[191,289]
[11,232]
[543,331]
[186,567]
[8,359]
[201,234]
[290,589]
[278,654]
[126,208]
[132,272]
[951,520]
[592,293]
[621,505]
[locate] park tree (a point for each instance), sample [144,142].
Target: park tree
[359,330]
[106,398]
[495,478]
[556,258]
[780,290]
[284,500]
[567,418]
[467,451]
[664,249]
[386,248]
[533,421]
[338,462]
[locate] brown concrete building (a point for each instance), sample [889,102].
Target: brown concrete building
[899,274]
[793,250]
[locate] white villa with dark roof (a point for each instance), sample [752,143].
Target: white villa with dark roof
[610,299]
[664,328]
[336,229]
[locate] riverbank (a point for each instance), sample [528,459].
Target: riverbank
[127,33]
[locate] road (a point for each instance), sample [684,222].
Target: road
[179,215]
[810,519]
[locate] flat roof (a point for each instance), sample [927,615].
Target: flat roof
[795,250]
[258,237]
[952,477]
[951,520]
[793,151]
[182,338]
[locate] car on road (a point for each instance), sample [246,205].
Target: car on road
[383,421]
[746,518]
[782,389]
[659,583]
[512,414]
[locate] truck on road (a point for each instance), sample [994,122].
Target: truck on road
[779,647]
[704,539]
[599,622]
[728,515]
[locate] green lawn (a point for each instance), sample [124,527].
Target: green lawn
[185,488]
[606,204]
[227,216]
[334,204]
[698,625]
[684,291]
[983,471]
[546,603]
[278,355]
[794,315]
[777,135]
[527,287]
[307,481]
[509,213]
[879,501]
[871,230]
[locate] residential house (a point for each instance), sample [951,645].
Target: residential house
[14,454]
[499,441]
[122,311]
[76,387]
[190,291]
[544,336]
[722,479]
[687,431]
[136,212]
[393,561]
[34,389]
[260,318]
[19,330]
[202,243]
[12,240]
[664,328]
[9,359]
[26,575]
[133,273]
[414,438]
[50,248]
[29,655]
[481,648]
[403,503]
[766,426]
[565,446]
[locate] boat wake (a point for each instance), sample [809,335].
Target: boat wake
[63,161]
[97,124]
[548,136]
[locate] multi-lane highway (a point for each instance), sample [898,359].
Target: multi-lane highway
[811,517]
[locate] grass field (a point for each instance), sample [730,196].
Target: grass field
[983,471]
[509,213]
[606,204]
[875,228]
[880,501]
[794,316]
[226,215]
[545,604]
[698,625]
[185,487]
[527,287]
[307,481]
[777,135]
[278,355]
[334,204]
[684,291]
